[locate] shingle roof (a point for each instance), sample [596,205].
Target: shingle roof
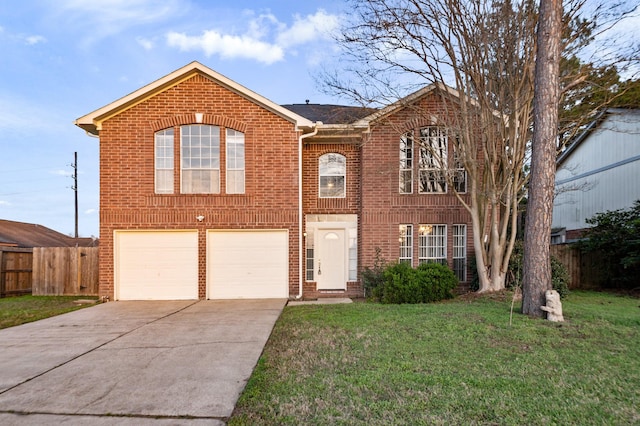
[20,234]
[329,114]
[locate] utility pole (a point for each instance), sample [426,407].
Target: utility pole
[75,185]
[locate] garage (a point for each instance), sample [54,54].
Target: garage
[247,264]
[156,265]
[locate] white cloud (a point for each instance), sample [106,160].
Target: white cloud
[265,39]
[35,39]
[4,203]
[60,172]
[309,28]
[145,43]
[227,46]
[102,18]
[91,211]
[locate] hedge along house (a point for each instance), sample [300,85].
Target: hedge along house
[210,191]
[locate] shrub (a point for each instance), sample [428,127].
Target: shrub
[559,277]
[429,282]
[372,277]
[615,238]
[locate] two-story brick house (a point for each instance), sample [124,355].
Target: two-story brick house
[209,190]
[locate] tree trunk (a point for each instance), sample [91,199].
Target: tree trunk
[537,238]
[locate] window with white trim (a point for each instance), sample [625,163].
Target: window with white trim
[332,169]
[235,162]
[353,254]
[459,178]
[433,160]
[432,244]
[310,254]
[200,159]
[406,244]
[163,145]
[460,251]
[406,164]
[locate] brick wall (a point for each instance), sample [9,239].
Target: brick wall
[127,198]
[383,208]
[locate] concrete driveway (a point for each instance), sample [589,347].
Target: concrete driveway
[134,363]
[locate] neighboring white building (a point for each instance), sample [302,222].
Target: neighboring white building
[600,171]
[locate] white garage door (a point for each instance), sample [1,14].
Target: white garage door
[248,264]
[156,265]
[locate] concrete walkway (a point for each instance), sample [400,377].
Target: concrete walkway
[133,363]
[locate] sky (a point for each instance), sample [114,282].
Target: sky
[63,59]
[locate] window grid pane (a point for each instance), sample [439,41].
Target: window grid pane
[200,159]
[332,169]
[432,244]
[406,164]
[433,160]
[235,162]
[460,251]
[164,162]
[310,253]
[406,244]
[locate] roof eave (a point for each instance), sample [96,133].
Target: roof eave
[92,122]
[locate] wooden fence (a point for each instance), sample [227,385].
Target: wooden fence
[582,267]
[15,271]
[65,271]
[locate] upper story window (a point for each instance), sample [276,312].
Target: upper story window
[406,163]
[332,169]
[164,162]
[200,159]
[235,162]
[435,170]
[433,160]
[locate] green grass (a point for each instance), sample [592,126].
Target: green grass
[19,310]
[458,362]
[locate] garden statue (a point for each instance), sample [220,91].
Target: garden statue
[553,307]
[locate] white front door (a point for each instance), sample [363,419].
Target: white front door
[330,262]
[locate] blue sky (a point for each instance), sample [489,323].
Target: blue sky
[65,58]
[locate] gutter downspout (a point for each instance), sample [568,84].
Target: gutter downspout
[300,212]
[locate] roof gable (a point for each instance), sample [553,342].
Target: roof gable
[92,122]
[594,125]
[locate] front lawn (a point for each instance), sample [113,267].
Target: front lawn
[458,362]
[19,310]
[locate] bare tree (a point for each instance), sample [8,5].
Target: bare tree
[481,54]
[536,277]
[485,52]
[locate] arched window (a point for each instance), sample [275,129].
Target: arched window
[332,169]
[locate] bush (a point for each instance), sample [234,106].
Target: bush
[429,282]
[559,277]
[372,277]
[615,238]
